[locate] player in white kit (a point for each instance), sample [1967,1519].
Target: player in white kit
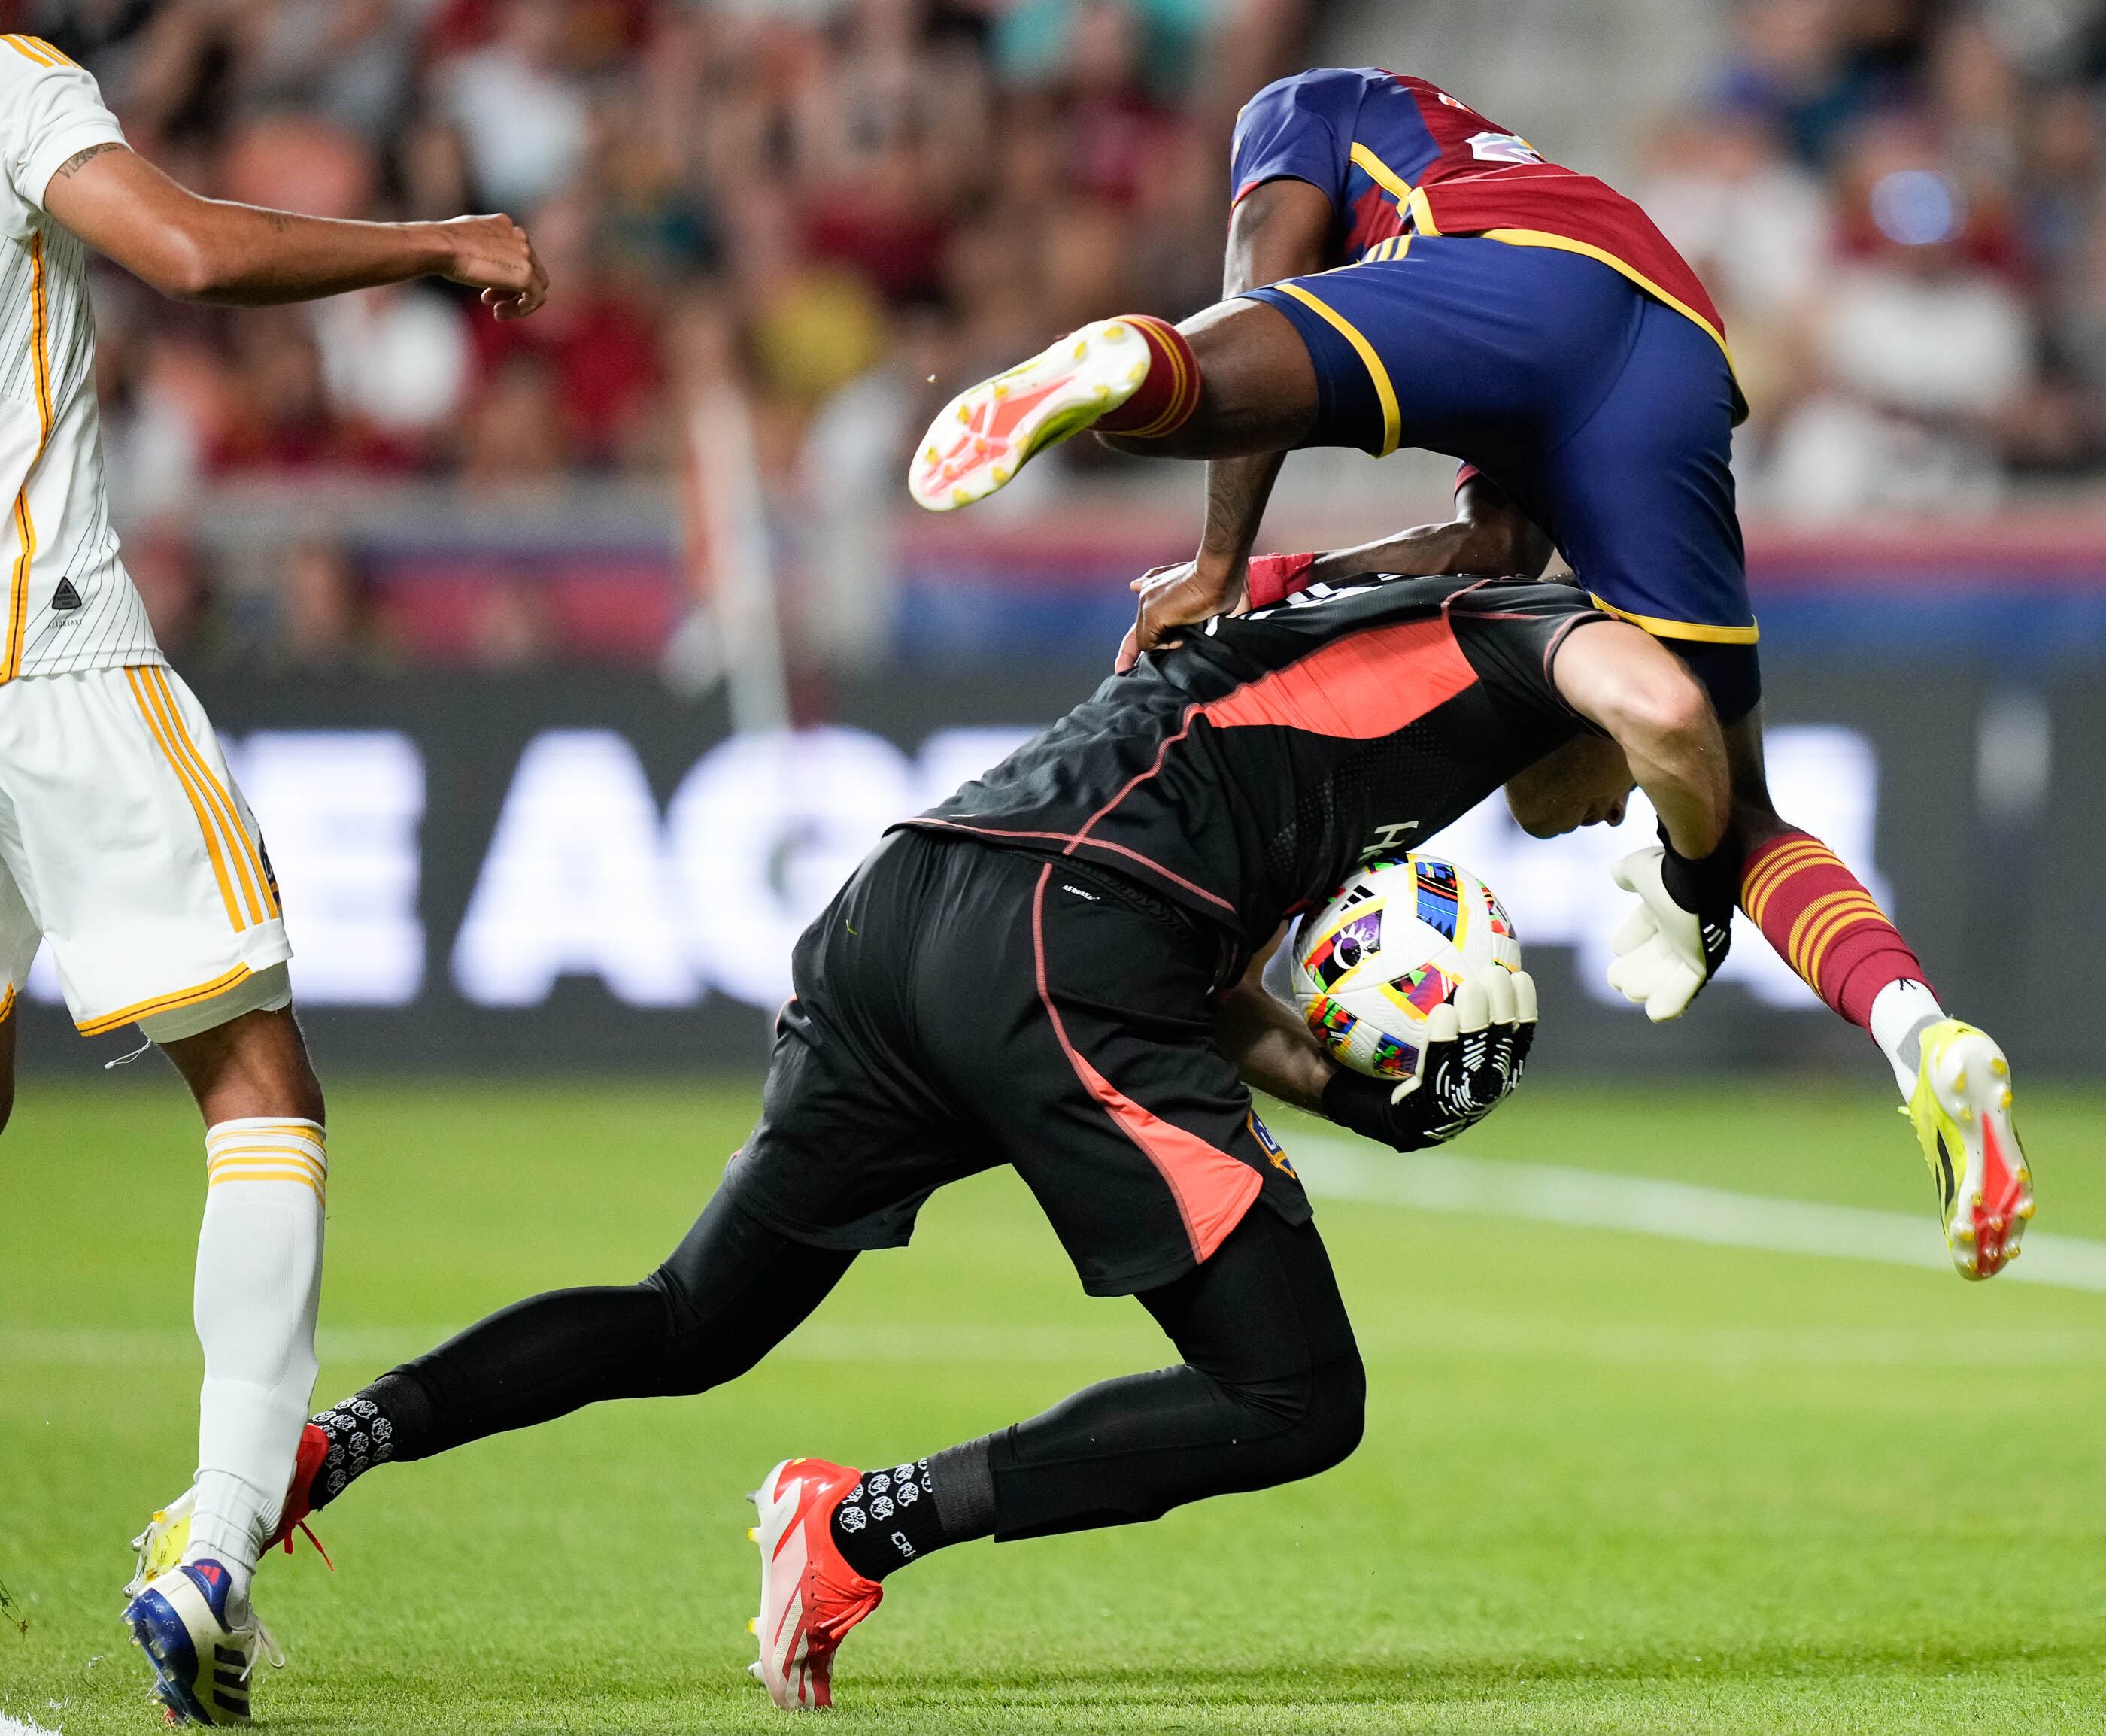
[125,845]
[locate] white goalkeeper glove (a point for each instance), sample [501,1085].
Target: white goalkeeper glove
[1673,943]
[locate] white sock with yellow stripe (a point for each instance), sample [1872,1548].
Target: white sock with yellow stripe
[259,1271]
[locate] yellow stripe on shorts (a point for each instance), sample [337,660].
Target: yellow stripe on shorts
[108,1021]
[150,711]
[253,880]
[1384,391]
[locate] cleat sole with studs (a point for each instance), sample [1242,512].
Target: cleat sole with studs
[1969,1078]
[1008,421]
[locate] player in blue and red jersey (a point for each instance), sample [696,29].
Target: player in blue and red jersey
[1402,270]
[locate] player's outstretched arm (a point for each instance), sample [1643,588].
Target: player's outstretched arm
[1281,228]
[1650,707]
[1488,534]
[212,250]
[1624,681]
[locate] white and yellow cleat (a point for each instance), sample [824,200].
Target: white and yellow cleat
[159,1547]
[987,433]
[1961,1110]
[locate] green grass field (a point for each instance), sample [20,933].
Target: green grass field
[1609,1482]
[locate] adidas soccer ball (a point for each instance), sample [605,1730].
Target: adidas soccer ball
[1395,942]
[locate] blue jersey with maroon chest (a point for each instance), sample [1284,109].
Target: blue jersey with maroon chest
[1355,134]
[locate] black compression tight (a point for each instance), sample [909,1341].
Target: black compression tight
[729,1294]
[1271,1389]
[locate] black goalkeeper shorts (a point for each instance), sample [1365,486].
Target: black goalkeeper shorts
[959,1007]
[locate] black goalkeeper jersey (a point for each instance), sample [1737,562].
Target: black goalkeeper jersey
[1247,772]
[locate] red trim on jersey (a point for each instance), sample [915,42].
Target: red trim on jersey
[1138,779]
[1212,1189]
[1368,684]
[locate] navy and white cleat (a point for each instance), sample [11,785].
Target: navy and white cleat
[201,1662]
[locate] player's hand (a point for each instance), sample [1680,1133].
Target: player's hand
[1476,1047]
[1173,597]
[493,254]
[1673,943]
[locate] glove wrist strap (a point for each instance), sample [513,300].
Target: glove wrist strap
[1708,886]
[1358,1104]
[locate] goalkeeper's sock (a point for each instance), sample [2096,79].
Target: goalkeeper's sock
[899,1512]
[1164,401]
[388,1420]
[1831,930]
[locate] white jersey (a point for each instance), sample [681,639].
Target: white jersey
[69,603]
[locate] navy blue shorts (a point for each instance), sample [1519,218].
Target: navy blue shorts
[1602,414]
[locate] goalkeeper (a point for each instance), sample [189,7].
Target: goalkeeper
[1057,969]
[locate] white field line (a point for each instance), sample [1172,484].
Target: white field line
[1130,1343]
[15,1727]
[1587,1199]
[1335,1170]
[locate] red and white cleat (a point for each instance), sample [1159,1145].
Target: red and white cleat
[986,433]
[308,1458]
[809,1596]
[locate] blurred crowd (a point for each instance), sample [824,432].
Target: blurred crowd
[1901,207]
[836,201]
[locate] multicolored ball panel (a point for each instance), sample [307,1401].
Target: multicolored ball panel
[1391,946]
[1343,950]
[1439,899]
[1394,1060]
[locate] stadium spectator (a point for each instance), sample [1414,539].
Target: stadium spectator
[1898,206]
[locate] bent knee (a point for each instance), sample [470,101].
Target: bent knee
[1315,1421]
[1337,1418]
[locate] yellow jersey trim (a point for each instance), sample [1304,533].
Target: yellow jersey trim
[7,1003]
[163,1004]
[1565,243]
[25,525]
[43,53]
[1385,390]
[1660,628]
[1381,174]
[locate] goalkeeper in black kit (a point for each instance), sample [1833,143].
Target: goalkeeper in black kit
[1057,969]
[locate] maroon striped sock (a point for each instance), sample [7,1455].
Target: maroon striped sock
[1820,919]
[1171,393]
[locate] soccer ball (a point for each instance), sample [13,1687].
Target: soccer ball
[1393,942]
